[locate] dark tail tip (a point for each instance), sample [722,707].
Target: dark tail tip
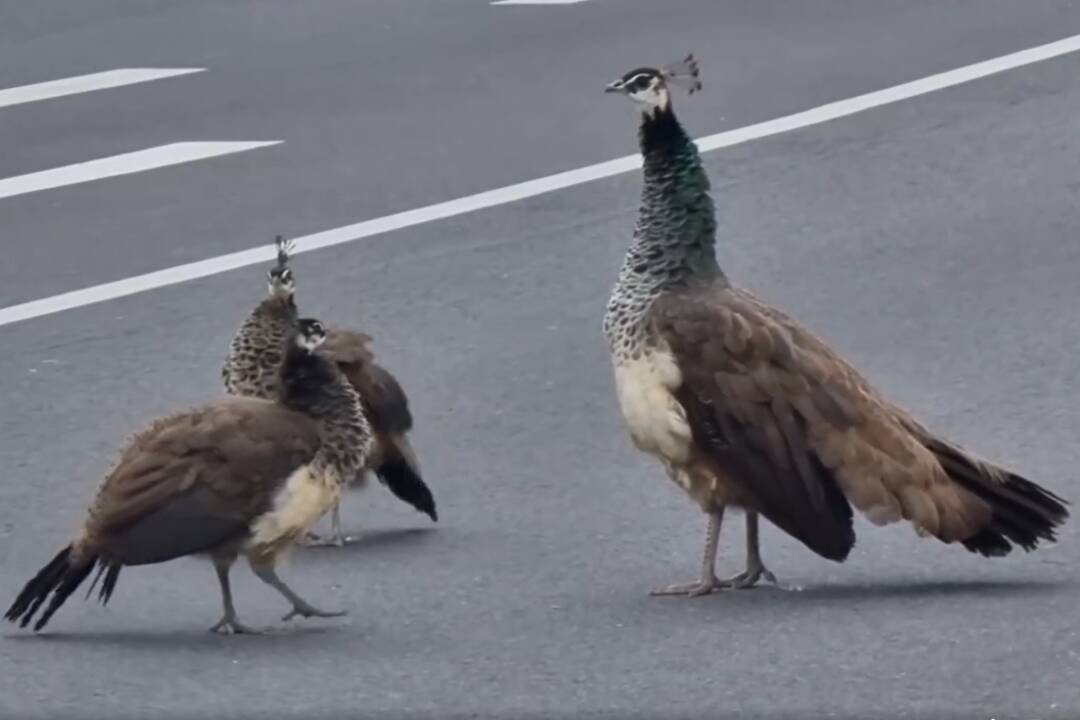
[59,578]
[1024,514]
[407,485]
[107,587]
[832,542]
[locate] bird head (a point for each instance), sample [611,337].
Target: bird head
[648,87]
[310,334]
[279,278]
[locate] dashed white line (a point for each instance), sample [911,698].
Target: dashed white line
[532,188]
[537,2]
[125,164]
[88,83]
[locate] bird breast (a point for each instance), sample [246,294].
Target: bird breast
[304,498]
[656,421]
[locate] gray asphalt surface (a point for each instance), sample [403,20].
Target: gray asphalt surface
[935,241]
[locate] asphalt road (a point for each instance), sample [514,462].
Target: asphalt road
[935,241]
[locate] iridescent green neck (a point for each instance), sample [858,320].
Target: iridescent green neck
[676,232]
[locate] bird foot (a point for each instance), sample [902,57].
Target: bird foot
[231,626]
[748,579]
[304,610]
[691,589]
[744,580]
[314,540]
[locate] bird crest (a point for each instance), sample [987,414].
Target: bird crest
[284,247]
[280,277]
[683,74]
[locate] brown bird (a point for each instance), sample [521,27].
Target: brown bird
[392,457]
[251,370]
[746,408]
[237,476]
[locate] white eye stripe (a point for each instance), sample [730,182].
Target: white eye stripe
[640,82]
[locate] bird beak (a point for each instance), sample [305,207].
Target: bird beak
[615,87]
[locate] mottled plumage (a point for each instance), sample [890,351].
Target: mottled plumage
[237,476]
[251,370]
[746,408]
[257,349]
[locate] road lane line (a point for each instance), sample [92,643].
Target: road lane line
[537,2]
[133,162]
[88,83]
[531,188]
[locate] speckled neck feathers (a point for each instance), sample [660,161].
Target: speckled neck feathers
[314,385]
[253,366]
[674,236]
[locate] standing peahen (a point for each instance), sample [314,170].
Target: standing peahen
[746,408]
[250,370]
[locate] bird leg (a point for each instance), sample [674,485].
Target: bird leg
[266,573]
[707,582]
[228,624]
[336,539]
[755,569]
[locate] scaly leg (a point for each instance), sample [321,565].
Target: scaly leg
[266,573]
[336,539]
[755,569]
[707,582]
[228,624]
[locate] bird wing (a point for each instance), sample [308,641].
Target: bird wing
[346,346]
[385,402]
[797,428]
[383,397]
[198,478]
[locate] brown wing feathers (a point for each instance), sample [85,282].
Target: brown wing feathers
[798,430]
[799,497]
[1020,511]
[186,485]
[748,427]
[387,409]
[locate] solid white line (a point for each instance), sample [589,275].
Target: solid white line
[125,164]
[532,188]
[536,2]
[88,83]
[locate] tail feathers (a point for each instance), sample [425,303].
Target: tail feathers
[60,578]
[107,587]
[111,571]
[1023,513]
[400,473]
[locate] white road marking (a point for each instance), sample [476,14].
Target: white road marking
[88,83]
[125,164]
[531,188]
[536,2]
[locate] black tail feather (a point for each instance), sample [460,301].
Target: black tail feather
[405,482]
[111,577]
[38,588]
[72,579]
[60,579]
[1024,513]
[97,577]
[111,572]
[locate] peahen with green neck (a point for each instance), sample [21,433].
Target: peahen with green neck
[747,409]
